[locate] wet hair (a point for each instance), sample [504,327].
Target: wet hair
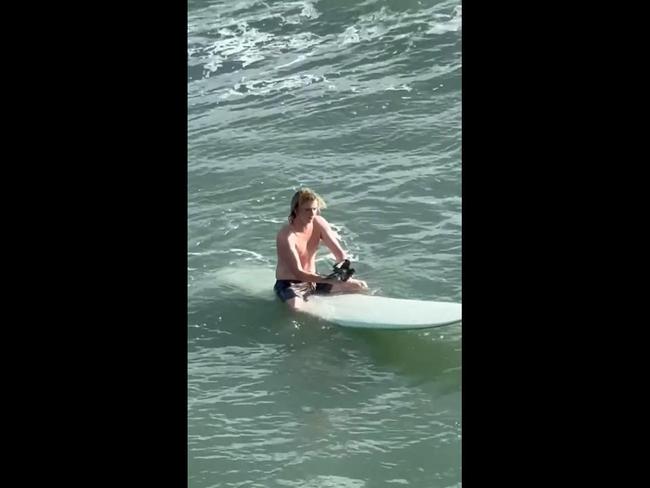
[304,195]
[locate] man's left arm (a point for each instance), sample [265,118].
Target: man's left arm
[329,238]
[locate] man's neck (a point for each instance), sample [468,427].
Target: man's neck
[301,227]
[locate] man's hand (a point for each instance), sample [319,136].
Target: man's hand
[353,285]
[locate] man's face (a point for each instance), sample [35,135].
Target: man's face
[307,211]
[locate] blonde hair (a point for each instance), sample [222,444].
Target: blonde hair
[305,195]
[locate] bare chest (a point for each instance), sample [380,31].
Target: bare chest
[307,244]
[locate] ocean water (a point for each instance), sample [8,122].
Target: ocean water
[361,101]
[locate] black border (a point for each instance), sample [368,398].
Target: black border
[102,202]
[534,291]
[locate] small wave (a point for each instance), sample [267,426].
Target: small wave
[240,43]
[324,481]
[403,87]
[264,87]
[448,23]
[309,11]
[246,252]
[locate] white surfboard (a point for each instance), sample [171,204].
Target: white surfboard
[375,312]
[349,310]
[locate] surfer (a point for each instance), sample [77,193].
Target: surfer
[297,244]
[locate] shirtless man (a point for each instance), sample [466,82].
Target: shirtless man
[297,244]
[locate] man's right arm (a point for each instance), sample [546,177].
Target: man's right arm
[289,257]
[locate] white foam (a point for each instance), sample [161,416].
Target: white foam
[448,23]
[246,252]
[301,41]
[248,59]
[309,11]
[350,36]
[265,86]
[297,60]
[214,63]
[403,87]
[239,42]
[243,44]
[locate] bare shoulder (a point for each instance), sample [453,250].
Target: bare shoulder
[321,222]
[324,226]
[285,234]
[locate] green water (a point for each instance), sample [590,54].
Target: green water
[360,101]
